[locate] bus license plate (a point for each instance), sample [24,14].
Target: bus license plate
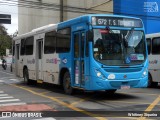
[125,87]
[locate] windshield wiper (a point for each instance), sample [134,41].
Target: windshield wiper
[125,44]
[129,36]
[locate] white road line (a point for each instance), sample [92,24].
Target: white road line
[9,104]
[7,73]
[10,100]
[6,77]
[1,92]
[49,118]
[6,97]
[14,80]
[3,95]
[1,81]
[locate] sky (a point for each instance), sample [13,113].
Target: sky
[13,11]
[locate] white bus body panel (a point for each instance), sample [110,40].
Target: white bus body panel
[46,69]
[154,61]
[51,68]
[16,60]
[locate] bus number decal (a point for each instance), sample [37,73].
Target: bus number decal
[31,61]
[53,60]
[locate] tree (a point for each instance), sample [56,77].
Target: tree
[5,40]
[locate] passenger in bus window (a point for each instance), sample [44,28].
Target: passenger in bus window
[99,44]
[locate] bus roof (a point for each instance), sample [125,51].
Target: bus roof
[85,18]
[38,30]
[152,35]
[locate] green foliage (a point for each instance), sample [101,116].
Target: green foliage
[5,40]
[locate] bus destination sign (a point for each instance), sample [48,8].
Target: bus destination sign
[116,21]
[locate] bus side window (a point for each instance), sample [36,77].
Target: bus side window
[156,45]
[149,45]
[89,37]
[63,40]
[22,47]
[50,42]
[29,45]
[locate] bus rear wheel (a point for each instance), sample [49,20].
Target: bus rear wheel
[150,82]
[26,76]
[67,83]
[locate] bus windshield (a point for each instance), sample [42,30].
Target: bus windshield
[119,47]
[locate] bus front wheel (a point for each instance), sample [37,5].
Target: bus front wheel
[67,83]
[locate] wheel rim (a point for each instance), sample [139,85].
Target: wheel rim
[149,81]
[67,83]
[25,76]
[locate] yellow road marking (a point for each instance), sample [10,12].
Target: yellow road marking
[82,100]
[125,102]
[138,93]
[62,103]
[150,107]
[45,92]
[155,102]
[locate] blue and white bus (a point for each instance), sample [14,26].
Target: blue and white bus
[91,52]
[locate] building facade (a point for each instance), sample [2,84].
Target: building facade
[36,13]
[147,10]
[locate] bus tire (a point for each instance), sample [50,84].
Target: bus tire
[67,83]
[150,82]
[26,76]
[110,92]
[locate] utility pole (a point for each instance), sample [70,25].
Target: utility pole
[61,10]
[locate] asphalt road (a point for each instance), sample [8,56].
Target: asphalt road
[48,102]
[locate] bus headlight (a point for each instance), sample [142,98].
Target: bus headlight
[99,74]
[111,76]
[145,72]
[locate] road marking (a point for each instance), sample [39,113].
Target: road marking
[80,101]
[3,95]
[6,73]
[1,92]
[138,93]
[62,103]
[123,102]
[1,81]
[150,107]
[9,100]
[6,97]
[45,92]
[9,104]
[14,80]
[6,77]
[49,118]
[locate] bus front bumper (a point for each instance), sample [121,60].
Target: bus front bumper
[99,84]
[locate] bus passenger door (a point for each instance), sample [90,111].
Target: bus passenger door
[17,61]
[79,38]
[39,53]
